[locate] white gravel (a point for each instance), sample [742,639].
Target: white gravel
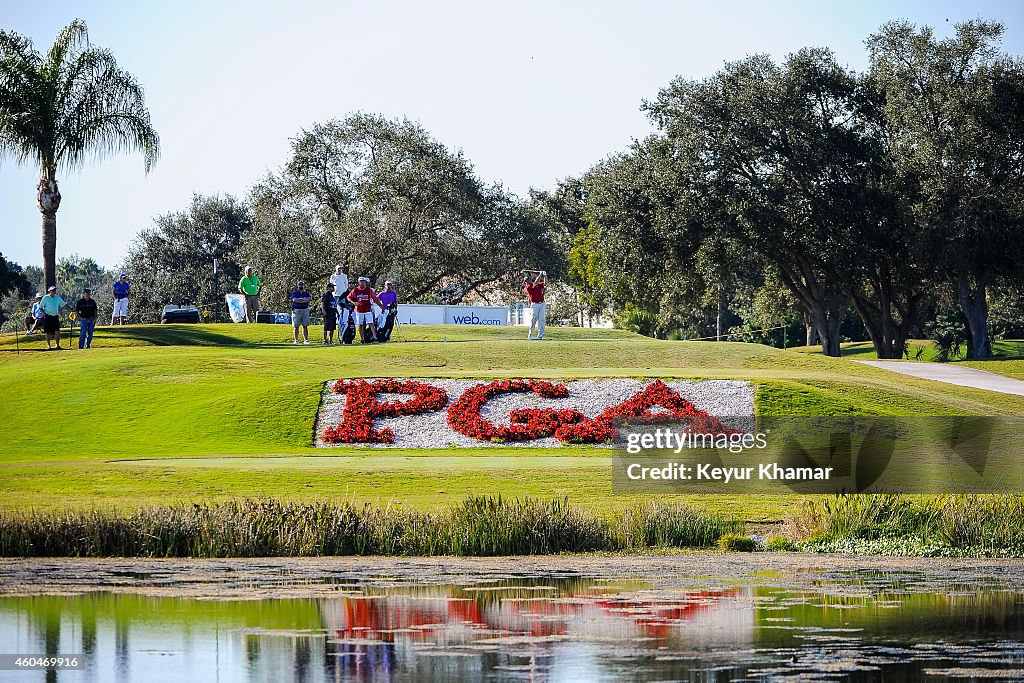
[720,398]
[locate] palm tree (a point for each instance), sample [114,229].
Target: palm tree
[61,108]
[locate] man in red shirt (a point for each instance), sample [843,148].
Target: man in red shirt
[535,293]
[363,297]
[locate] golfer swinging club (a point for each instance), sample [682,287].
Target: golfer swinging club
[535,293]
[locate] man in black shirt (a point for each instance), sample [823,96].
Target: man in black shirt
[85,309]
[329,309]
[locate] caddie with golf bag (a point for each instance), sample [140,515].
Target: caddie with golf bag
[363,297]
[389,312]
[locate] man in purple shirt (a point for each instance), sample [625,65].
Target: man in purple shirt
[388,300]
[122,290]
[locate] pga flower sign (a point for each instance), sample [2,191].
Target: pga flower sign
[440,413]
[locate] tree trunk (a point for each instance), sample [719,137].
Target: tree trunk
[718,322]
[809,329]
[974,302]
[889,307]
[825,308]
[826,322]
[873,323]
[48,200]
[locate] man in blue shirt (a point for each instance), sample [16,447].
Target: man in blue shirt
[51,305]
[121,291]
[300,312]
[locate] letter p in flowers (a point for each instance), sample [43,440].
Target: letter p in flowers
[362,407]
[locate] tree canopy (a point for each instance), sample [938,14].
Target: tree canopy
[385,200]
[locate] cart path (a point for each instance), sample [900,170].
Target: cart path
[952,374]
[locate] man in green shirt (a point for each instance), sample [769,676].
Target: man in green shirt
[51,305]
[250,286]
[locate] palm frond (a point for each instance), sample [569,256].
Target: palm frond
[103,111]
[72,37]
[22,104]
[72,105]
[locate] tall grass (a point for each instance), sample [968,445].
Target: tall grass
[659,524]
[267,528]
[961,522]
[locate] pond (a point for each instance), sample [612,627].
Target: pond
[857,623]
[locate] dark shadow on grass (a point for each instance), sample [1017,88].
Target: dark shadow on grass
[177,335]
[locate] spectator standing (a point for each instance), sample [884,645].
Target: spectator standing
[535,293]
[249,287]
[122,290]
[363,297]
[51,305]
[85,309]
[340,282]
[329,309]
[300,312]
[388,299]
[35,318]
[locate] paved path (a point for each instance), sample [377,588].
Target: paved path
[953,374]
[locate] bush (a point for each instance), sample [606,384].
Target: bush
[949,332]
[778,544]
[737,543]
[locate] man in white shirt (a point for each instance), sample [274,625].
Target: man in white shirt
[340,282]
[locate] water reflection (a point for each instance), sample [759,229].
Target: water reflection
[575,629]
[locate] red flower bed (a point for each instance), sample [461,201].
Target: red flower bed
[362,408]
[637,410]
[464,415]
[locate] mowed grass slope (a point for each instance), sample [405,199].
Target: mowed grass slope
[176,413]
[1008,360]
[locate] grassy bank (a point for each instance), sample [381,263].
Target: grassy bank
[166,415]
[951,526]
[479,526]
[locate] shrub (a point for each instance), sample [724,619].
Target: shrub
[737,543]
[779,544]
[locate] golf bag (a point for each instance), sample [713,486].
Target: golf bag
[384,332]
[349,333]
[346,323]
[368,331]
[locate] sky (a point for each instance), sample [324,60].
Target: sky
[530,91]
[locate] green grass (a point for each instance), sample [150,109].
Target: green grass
[170,414]
[1003,350]
[1011,368]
